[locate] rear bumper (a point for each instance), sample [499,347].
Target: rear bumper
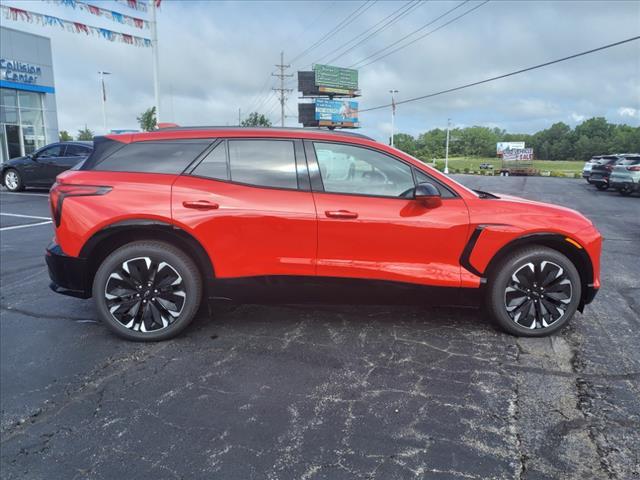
[68,274]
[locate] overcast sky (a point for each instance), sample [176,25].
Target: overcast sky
[216,57]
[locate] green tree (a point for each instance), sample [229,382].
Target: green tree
[255,119]
[147,120]
[85,134]
[405,142]
[65,136]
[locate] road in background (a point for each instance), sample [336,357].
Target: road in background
[322,392]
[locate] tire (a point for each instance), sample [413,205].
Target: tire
[147,314]
[531,314]
[602,186]
[12,180]
[625,191]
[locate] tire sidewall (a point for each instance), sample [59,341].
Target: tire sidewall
[502,277]
[157,251]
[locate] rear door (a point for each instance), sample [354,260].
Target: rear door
[248,202]
[369,225]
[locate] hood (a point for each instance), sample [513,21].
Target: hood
[514,209]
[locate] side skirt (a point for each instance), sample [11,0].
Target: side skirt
[338,291]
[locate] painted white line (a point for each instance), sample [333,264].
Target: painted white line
[28,194]
[24,216]
[15,227]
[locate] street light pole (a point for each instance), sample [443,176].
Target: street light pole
[446,154]
[104,100]
[156,61]
[393,113]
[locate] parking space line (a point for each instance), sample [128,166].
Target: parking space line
[24,216]
[15,227]
[28,194]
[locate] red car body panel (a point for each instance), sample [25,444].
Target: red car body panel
[256,231]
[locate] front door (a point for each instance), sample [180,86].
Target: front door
[369,226]
[247,203]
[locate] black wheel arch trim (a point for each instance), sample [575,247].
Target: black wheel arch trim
[557,241]
[127,230]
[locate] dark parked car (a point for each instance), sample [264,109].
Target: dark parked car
[601,170]
[625,176]
[40,168]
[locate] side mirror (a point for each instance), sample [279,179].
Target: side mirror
[427,194]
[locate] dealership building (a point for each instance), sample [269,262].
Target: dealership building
[28,115]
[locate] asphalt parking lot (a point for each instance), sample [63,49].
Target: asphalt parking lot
[330,392]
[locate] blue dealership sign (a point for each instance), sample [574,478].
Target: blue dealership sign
[336,111]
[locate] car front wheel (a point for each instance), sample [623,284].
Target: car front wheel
[533,292]
[147,291]
[602,186]
[12,180]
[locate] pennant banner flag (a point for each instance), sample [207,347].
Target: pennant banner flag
[106,13]
[11,13]
[139,5]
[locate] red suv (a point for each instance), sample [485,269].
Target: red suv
[153,223]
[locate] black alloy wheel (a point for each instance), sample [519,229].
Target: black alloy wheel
[147,291]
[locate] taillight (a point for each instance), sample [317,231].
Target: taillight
[60,191]
[634,168]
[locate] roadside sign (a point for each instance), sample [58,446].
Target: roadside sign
[336,111]
[336,77]
[502,146]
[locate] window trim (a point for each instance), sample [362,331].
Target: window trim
[302,171]
[315,168]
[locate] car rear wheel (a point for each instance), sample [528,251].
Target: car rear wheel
[13,181]
[626,190]
[533,292]
[147,291]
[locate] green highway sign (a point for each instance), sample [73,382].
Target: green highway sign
[330,76]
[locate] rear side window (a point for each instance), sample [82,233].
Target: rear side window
[77,151]
[171,156]
[214,164]
[266,163]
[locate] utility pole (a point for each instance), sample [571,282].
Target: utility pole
[393,113]
[154,52]
[239,116]
[446,154]
[282,90]
[104,100]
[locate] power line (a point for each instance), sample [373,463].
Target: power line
[396,14]
[346,21]
[409,34]
[426,34]
[487,80]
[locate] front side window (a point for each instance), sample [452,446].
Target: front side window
[422,177]
[357,170]
[169,156]
[266,163]
[51,152]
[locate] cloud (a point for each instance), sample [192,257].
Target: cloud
[629,112]
[576,117]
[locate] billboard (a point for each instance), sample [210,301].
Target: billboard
[502,146]
[336,111]
[519,154]
[335,77]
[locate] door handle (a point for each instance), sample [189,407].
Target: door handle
[200,205]
[340,214]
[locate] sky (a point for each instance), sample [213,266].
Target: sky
[217,56]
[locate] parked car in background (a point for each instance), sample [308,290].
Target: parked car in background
[586,170]
[625,176]
[601,170]
[486,166]
[40,168]
[240,213]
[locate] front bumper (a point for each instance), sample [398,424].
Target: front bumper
[68,274]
